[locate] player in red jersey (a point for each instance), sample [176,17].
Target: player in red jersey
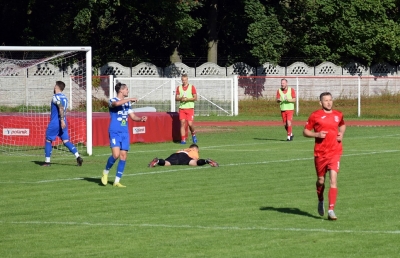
[327,127]
[286,97]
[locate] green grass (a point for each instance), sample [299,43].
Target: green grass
[260,202]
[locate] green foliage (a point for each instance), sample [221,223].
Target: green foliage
[265,34]
[260,202]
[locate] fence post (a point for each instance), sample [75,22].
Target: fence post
[359,97]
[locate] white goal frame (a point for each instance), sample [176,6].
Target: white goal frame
[88,50]
[170,85]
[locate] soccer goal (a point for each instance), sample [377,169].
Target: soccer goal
[215,96]
[27,79]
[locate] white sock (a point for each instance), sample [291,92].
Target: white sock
[76,154]
[47,160]
[106,171]
[117,180]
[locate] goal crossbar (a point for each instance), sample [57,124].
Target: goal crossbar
[88,50]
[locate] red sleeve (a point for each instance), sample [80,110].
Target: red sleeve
[310,123]
[194,90]
[278,96]
[293,93]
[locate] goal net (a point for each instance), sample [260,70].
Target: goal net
[215,96]
[27,79]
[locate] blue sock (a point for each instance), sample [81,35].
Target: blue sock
[120,168]
[47,149]
[70,147]
[110,162]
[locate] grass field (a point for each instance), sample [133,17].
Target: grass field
[260,202]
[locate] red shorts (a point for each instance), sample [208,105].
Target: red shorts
[186,114]
[323,164]
[287,115]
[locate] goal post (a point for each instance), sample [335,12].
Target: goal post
[215,96]
[27,77]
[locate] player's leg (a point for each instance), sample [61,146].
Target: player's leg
[289,119]
[320,168]
[47,153]
[284,120]
[190,119]
[120,168]
[333,190]
[67,143]
[51,134]
[183,127]
[115,145]
[125,146]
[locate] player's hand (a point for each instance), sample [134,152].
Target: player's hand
[143,119]
[339,137]
[63,124]
[133,100]
[322,134]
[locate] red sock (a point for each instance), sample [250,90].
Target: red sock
[183,138]
[320,192]
[193,133]
[332,197]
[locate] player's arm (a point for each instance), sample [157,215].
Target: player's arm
[137,118]
[341,131]
[293,99]
[311,134]
[122,101]
[278,97]
[61,113]
[178,95]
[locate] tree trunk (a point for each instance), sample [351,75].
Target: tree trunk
[175,58]
[212,55]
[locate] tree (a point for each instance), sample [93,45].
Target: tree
[266,36]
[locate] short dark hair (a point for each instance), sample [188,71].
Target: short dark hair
[324,94]
[283,80]
[118,86]
[194,145]
[60,85]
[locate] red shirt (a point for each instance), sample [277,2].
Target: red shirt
[329,122]
[185,88]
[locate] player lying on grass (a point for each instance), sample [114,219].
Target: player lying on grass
[189,156]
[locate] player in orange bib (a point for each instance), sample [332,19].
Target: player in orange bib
[188,156]
[327,127]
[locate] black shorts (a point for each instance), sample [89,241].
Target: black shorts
[180,158]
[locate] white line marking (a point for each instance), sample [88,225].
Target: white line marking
[71,223]
[192,168]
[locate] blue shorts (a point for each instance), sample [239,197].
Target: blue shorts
[120,140]
[53,132]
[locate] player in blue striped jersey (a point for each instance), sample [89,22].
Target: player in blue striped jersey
[58,126]
[120,109]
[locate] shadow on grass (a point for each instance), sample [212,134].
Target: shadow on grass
[294,211]
[268,139]
[94,180]
[40,163]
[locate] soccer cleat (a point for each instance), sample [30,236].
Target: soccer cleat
[194,139]
[46,164]
[153,163]
[291,137]
[331,215]
[183,142]
[118,185]
[321,208]
[79,160]
[104,179]
[212,163]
